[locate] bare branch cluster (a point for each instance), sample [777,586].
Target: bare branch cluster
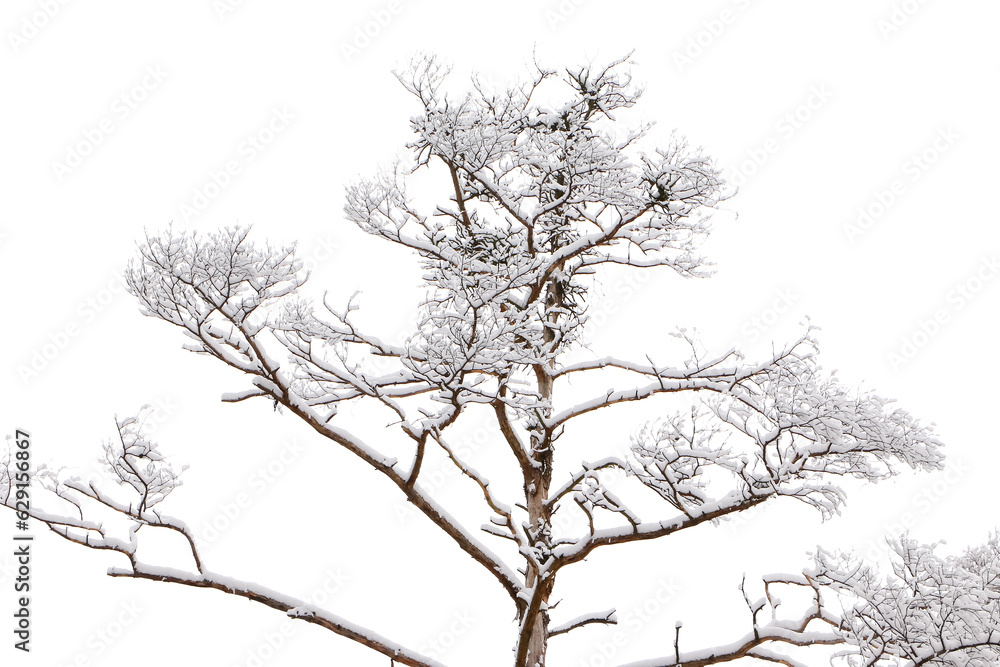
[930,610]
[134,460]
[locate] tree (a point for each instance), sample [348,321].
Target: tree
[543,200]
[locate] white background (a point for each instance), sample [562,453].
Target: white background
[869,86]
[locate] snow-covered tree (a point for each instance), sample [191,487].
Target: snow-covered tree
[543,198]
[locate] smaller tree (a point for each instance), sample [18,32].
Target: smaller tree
[542,200]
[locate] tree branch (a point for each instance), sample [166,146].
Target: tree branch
[649,531]
[294,608]
[603,617]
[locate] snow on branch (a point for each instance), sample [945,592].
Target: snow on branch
[213,286]
[816,626]
[8,475]
[540,195]
[604,617]
[773,429]
[135,461]
[131,461]
[216,288]
[293,607]
[674,456]
[807,427]
[930,610]
[184,277]
[719,374]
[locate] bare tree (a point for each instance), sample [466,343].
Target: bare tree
[542,198]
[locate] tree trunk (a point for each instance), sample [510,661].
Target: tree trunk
[536,492]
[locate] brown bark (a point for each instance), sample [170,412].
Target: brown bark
[533,642]
[536,493]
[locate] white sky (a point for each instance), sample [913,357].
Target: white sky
[875,107]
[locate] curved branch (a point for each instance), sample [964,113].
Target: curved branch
[292,607]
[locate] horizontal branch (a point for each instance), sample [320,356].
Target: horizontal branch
[707,375]
[237,396]
[637,394]
[292,607]
[703,370]
[649,530]
[603,617]
[745,646]
[931,658]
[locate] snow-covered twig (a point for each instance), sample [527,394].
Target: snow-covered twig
[605,617]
